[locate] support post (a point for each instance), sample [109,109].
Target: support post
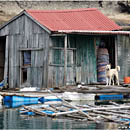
[116,50]
[65,59]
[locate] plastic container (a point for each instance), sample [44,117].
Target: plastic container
[127,80]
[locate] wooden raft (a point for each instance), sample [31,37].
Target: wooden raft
[107,113]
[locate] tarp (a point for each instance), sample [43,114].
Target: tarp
[27,58]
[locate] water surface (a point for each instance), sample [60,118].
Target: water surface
[10,118]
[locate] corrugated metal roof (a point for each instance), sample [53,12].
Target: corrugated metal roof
[74,19]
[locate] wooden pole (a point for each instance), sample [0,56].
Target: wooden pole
[65,59]
[90,109]
[35,110]
[116,50]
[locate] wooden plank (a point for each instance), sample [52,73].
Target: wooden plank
[65,59]
[21,24]
[21,63]
[111,87]
[16,66]
[60,65]
[46,63]
[36,44]
[27,27]
[39,64]
[33,64]
[14,60]
[11,62]
[6,59]
[104,91]
[29,74]
[41,59]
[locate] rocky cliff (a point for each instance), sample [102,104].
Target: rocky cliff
[113,9]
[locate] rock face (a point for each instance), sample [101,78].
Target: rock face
[8,9]
[11,7]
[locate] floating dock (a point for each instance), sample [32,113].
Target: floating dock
[88,93]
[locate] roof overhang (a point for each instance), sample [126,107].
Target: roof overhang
[86,32]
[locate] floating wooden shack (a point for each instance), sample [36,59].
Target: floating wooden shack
[52,48]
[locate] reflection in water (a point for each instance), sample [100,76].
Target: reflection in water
[11,119]
[17,104]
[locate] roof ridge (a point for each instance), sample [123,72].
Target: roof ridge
[62,11]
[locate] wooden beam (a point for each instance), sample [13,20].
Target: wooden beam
[58,34]
[61,65]
[65,58]
[31,49]
[61,48]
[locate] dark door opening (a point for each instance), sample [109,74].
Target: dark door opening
[105,55]
[2,57]
[111,50]
[110,46]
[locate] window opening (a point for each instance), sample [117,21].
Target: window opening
[26,57]
[58,52]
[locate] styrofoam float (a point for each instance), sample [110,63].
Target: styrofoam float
[78,96]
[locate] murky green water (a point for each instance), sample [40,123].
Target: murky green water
[11,119]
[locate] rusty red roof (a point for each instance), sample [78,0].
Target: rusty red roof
[74,19]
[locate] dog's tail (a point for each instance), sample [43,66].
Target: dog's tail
[118,68]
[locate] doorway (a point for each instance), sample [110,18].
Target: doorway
[109,44]
[2,57]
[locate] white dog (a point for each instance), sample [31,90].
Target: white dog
[110,73]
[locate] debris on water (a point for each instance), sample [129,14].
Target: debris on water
[99,113]
[105,113]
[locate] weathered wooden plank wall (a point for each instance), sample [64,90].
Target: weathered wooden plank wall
[86,59]
[123,55]
[24,33]
[81,60]
[56,63]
